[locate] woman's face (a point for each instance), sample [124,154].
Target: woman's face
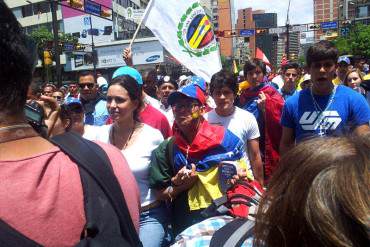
[255,76]
[119,104]
[353,80]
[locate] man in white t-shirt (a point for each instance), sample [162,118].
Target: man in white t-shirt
[243,124]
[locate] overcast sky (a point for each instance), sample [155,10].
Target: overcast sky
[301,11]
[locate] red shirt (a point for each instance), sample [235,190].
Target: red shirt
[156,119]
[42,196]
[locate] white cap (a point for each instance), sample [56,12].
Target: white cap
[182,77]
[101,81]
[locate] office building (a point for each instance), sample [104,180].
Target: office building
[267,42]
[294,47]
[225,20]
[325,11]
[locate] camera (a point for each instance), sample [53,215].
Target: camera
[34,114]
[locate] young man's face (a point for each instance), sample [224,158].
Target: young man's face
[322,72]
[224,98]
[186,111]
[88,87]
[73,88]
[48,91]
[290,77]
[343,68]
[255,76]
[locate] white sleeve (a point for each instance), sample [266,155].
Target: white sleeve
[253,131]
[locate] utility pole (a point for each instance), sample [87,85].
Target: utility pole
[53,8]
[287,25]
[92,46]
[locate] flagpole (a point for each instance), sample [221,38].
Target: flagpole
[140,23]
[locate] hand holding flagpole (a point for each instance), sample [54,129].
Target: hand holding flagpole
[127,52]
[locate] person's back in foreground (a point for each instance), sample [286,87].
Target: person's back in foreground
[319,196]
[41,194]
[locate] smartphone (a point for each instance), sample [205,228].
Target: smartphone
[33,114]
[227,169]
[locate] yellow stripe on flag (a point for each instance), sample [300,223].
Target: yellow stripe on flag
[197,36]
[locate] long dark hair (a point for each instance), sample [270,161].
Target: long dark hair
[319,196]
[133,89]
[16,64]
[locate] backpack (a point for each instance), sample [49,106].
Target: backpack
[241,201]
[108,222]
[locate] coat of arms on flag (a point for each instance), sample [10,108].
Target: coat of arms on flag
[185,31]
[195,32]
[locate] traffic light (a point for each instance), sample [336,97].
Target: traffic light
[346,23]
[77,35]
[314,27]
[78,4]
[261,30]
[48,58]
[79,47]
[220,33]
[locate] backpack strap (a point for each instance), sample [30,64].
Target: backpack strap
[233,234]
[11,237]
[169,153]
[91,158]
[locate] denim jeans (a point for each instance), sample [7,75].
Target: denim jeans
[154,227]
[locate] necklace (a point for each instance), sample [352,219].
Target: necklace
[322,117]
[111,137]
[16,126]
[16,132]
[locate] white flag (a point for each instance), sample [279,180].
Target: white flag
[186,32]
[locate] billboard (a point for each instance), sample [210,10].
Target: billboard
[149,52]
[86,25]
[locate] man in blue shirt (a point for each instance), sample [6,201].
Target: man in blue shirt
[324,109]
[94,104]
[290,74]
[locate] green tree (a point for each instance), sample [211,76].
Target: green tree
[42,36]
[356,43]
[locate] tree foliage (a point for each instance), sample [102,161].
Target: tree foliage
[356,43]
[42,36]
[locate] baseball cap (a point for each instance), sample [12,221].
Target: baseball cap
[195,90]
[126,70]
[71,100]
[344,59]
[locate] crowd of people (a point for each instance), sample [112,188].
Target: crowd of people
[175,145]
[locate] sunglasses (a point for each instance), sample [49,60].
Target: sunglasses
[57,97]
[88,85]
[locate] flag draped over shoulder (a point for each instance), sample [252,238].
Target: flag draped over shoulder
[184,30]
[211,145]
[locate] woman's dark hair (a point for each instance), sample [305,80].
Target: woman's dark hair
[222,79]
[321,51]
[319,196]
[133,89]
[252,64]
[16,64]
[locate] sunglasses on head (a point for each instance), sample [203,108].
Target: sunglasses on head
[88,85]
